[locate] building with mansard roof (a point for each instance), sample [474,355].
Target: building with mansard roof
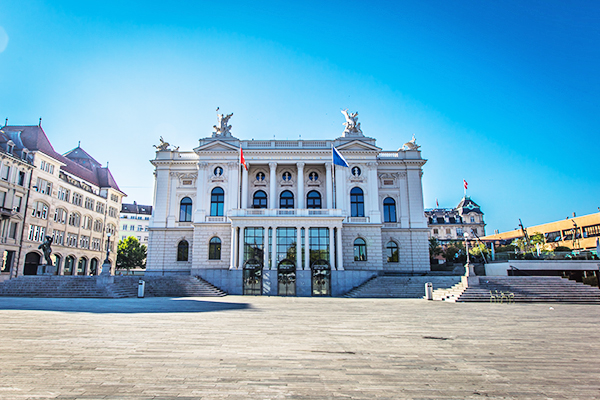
[450,224]
[135,221]
[291,223]
[70,197]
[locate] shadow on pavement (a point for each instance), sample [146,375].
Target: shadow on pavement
[151,305]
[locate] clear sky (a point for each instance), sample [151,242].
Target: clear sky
[504,94]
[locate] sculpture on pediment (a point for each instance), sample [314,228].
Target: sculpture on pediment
[222,129]
[352,125]
[162,146]
[411,145]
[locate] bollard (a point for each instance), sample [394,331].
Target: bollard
[141,287]
[429,291]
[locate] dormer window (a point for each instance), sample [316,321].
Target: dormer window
[10,147]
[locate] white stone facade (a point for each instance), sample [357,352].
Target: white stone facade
[206,195]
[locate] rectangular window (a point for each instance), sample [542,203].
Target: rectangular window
[318,244]
[17,203]
[71,240]
[89,203]
[2,198]
[459,231]
[5,172]
[254,244]
[113,212]
[7,261]
[84,242]
[21,179]
[286,244]
[77,199]
[36,233]
[435,231]
[13,230]
[125,227]
[58,238]
[63,194]
[140,228]
[100,208]
[132,227]
[43,186]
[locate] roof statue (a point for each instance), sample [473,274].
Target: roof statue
[162,146]
[411,145]
[222,129]
[352,125]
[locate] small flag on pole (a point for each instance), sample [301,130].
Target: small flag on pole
[437,204]
[338,159]
[465,184]
[242,160]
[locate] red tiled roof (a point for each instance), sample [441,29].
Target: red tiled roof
[35,139]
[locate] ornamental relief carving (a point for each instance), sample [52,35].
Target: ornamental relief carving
[187,179]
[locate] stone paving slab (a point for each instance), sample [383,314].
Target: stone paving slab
[296,348]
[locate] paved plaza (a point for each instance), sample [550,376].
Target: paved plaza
[296,348]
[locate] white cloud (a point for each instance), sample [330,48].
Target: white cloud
[3,39]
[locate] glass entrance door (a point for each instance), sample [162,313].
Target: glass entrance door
[286,278]
[321,278]
[253,277]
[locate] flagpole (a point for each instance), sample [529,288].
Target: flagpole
[240,177]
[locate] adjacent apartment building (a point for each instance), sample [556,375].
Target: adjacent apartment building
[135,221]
[69,197]
[450,224]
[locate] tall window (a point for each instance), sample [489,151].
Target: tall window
[182,250]
[360,250]
[389,210]
[217,198]
[357,203]
[214,249]
[313,199]
[68,269]
[259,200]
[286,200]
[185,210]
[391,250]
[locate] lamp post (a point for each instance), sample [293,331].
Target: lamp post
[106,264]
[469,270]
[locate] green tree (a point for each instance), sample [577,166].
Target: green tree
[434,248]
[538,238]
[131,254]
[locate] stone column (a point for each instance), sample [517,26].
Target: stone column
[329,185]
[300,166]
[374,212]
[199,214]
[306,250]
[233,247]
[404,217]
[232,187]
[338,249]
[173,203]
[272,181]
[266,248]
[274,249]
[298,248]
[331,247]
[340,189]
[245,187]
[241,248]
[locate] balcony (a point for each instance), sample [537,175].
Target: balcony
[290,212]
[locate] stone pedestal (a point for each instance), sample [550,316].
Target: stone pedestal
[105,278]
[469,278]
[46,269]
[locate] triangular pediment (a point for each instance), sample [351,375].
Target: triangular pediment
[357,145]
[217,145]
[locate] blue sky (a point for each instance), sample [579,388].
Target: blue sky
[502,94]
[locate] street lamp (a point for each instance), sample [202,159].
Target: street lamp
[107,248]
[469,270]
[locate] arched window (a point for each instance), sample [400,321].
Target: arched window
[259,200]
[391,250]
[313,199]
[389,210]
[185,210]
[81,266]
[217,198]
[94,266]
[214,249]
[357,203]
[183,249]
[360,250]
[286,200]
[68,269]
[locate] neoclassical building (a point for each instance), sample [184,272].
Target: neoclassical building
[291,223]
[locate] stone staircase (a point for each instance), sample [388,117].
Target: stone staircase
[123,286]
[525,289]
[398,286]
